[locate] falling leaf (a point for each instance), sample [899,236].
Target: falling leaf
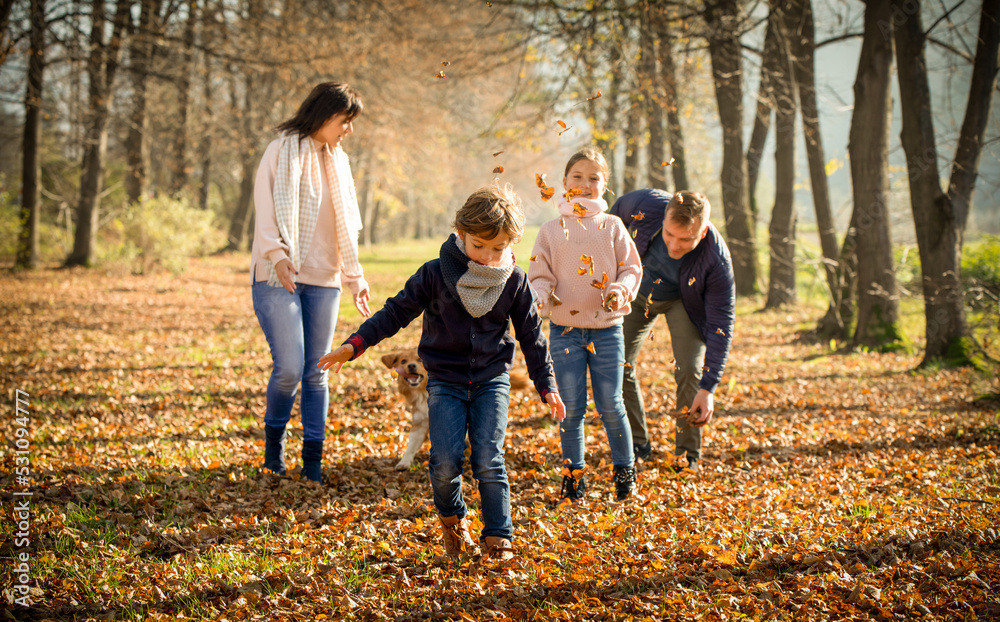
[498,170]
[625,364]
[580,222]
[621,263]
[439,74]
[590,348]
[586,259]
[581,271]
[495,154]
[561,124]
[657,281]
[600,284]
[579,210]
[573,312]
[554,299]
[668,162]
[532,258]
[445,63]
[719,331]
[567,329]
[638,215]
[574,192]
[564,127]
[691,281]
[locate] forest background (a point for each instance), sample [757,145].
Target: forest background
[849,149]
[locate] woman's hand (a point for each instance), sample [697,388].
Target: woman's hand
[361,302]
[337,358]
[286,274]
[558,408]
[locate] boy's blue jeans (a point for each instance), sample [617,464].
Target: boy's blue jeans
[571,359]
[480,409]
[299,329]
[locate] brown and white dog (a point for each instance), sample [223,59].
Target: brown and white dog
[411,383]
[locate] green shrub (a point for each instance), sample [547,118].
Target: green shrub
[981,271]
[53,242]
[160,232]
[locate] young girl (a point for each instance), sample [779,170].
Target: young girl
[469,296]
[586,271]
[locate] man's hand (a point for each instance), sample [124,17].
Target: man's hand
[702,408]
[558,408]
[337,358]
[361,302]
[286,274]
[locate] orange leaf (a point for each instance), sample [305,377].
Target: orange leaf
[590,348]
[638,215]
[498,169]
[586,259]
[532,258]
[439,74]
[579,210]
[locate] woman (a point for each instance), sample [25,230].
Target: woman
[304,250]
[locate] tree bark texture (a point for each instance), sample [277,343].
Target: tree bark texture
[781,279]
[804,58]
[723,19]
[5,43]
[633,127]
[102,65]
[141,54]
[939,217]
[762,118]
[868,146]
[27,241]
[657,174]
[671,103]
[186,66]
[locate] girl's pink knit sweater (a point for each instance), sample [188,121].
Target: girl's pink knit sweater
[572,256]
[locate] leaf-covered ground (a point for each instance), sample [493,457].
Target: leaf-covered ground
[834,486]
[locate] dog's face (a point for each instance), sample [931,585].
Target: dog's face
[411,372]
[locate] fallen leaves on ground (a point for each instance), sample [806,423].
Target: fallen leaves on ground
[832,487]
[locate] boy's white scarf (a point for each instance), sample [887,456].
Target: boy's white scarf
[297,193]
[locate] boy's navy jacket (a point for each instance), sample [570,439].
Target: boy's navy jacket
[708,290]
[456,347]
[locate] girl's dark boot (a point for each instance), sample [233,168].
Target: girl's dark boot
[312,458]
[274,449]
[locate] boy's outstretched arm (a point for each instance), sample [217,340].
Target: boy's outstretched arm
[337,358]
[556,403]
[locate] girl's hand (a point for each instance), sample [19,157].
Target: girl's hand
[558,408]
[286,274]
[337,358]
[361,302]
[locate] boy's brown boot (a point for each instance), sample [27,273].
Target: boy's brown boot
[499,548]
[457,540]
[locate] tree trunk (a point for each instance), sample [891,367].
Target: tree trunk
[633,128]
[5,43]
[657,173]
[868,146]
[839,318]
[723,17]
[141,54]
[803,40]
[101,68]
[781,281]
[671,102]
[27,241]
[238,225]
[940,217]
[205,143]
[762,118]
[179,146]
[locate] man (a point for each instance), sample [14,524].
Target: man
[688,278]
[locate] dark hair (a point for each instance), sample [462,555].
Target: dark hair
[324,102]
[687,208]
[593,155]
[490,210]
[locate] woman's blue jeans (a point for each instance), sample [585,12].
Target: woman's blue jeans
[480,410]
[571,359]
[299,329]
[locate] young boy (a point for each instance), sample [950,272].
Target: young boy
[469,296]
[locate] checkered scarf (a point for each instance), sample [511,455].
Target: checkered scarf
[297,192]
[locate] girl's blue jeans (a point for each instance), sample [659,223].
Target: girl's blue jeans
[571,359]
[481,411]
[299,329]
